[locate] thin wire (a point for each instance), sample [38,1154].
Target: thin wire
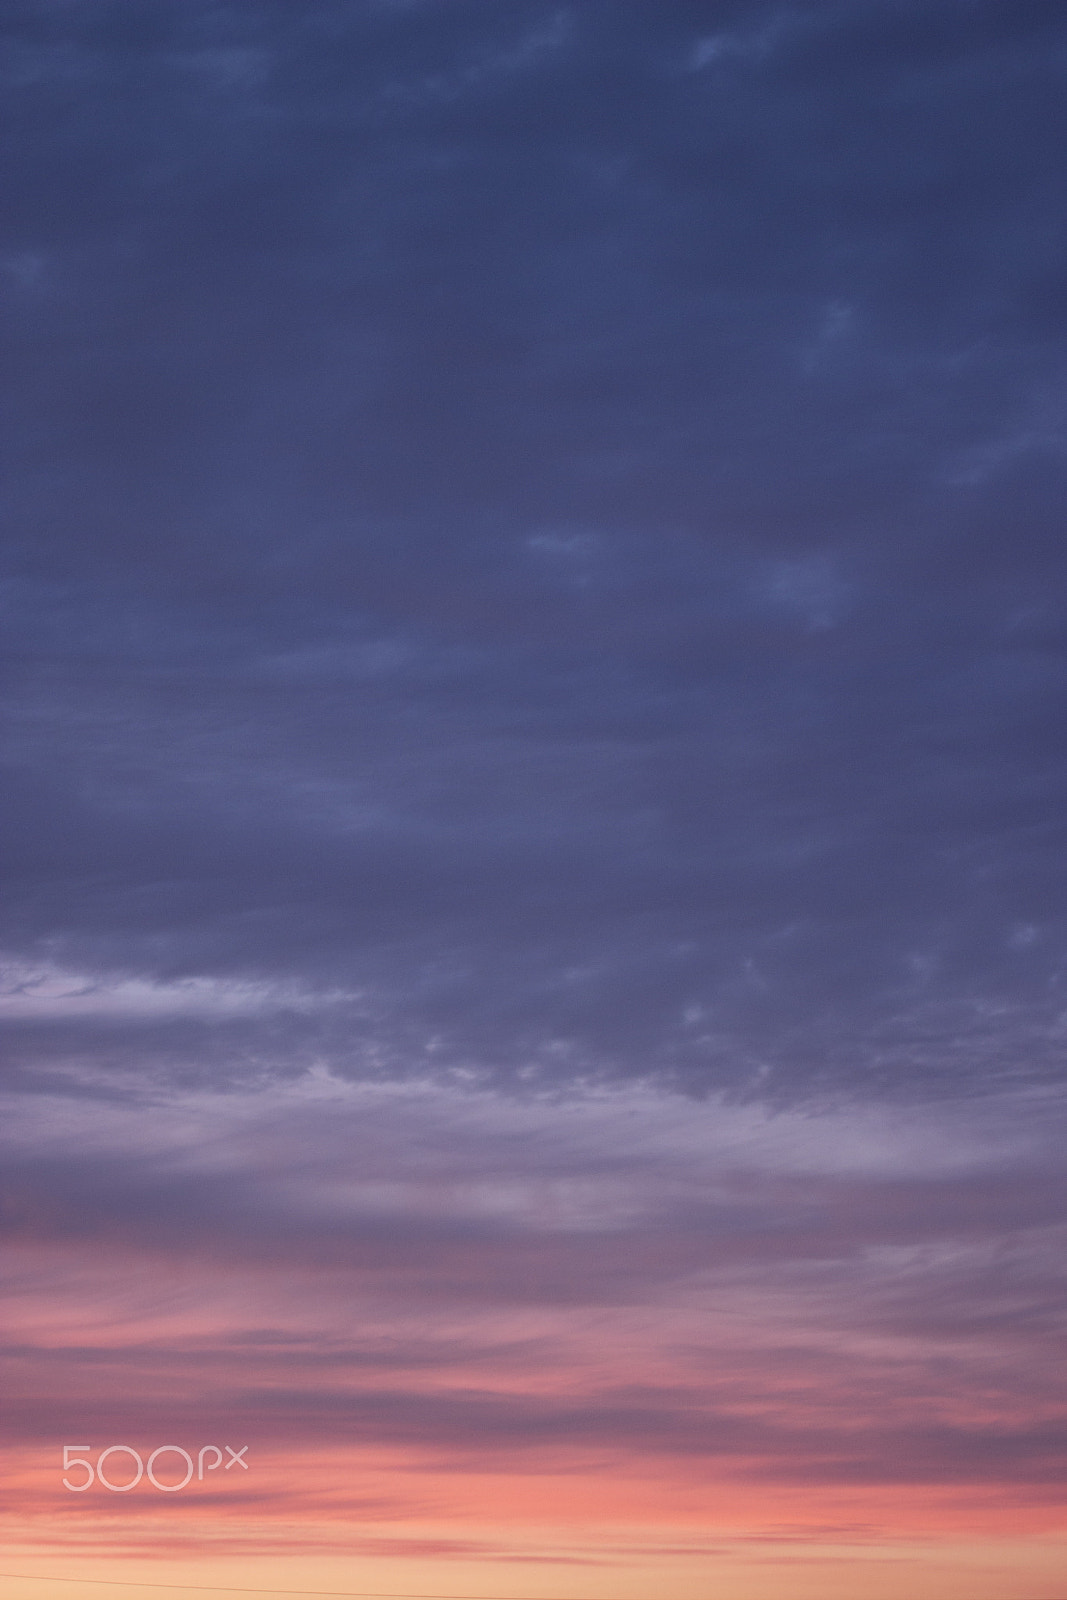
[219,1588]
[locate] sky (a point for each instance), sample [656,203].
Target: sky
[533,957]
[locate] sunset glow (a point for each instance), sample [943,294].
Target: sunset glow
[533,954]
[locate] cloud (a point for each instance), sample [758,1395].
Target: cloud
[55,994]
[533,769]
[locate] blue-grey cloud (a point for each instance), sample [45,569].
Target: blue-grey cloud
[546,522]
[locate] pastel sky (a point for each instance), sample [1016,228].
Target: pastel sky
[533,955]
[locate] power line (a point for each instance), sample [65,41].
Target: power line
[221,1588]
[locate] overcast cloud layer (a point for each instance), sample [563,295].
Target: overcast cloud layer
[536,541]
[533,954]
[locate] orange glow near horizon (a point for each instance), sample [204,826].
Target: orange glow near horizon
[474,1513]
